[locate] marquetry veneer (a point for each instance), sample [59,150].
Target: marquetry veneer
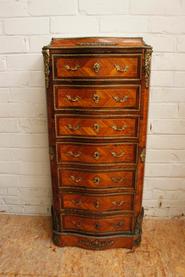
[97,100]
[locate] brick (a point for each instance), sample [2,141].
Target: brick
[164,170]
[2,63]
[165,126]
[74,24]
[35,181]
[40,210]
[24,140]
[161,110]
[161,43]
[32,125]
[33,168]
[164,183]
[162,78]
[54,7]
[104,7]
[4,95]
[9,167]
[27,26]
[27,110]
[37,42]
[125,24]
[27,95]
[1,28]
[167,156]
[36,79]
[27,155]
[180,43]
[12,8]
[7,180]
[170,195]
[182,110]
[15,209]
[25,62]
[166,142]
[14,79]
[171,25]
[168,61]
[156,7]
[179,79]
[12,44]
[8,125]
[167,95]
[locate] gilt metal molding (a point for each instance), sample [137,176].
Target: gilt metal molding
[96,244]
[138,228]
[46,56]
[148,57]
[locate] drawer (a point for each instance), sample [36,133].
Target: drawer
[97,202]
[96,153]
[82,66]
[104,97]
[118,223]
[89,127]
[96,179]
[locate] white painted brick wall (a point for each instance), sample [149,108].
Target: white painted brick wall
[27,25]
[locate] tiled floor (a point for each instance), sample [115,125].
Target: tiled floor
[26,250]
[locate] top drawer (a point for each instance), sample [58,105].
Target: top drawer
[86,66]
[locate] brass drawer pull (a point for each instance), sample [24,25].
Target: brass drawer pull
[69,68]
[118,203]
[115,155]
[77,202]
[96,180]
[119,99]
[74,179]
[117,128]
[76,224]
[73,99]
[97,204]
[120,68]
[118,224]
[75,155]
[96,155]
[96,127]
[96,67]
[70,127]
[117,179]
[96,98]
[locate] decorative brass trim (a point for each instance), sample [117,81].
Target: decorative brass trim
[46,57]
[148,57]
[51,152]
[96,67]
[70,68]
[96,44]
[143,155]
[120,68]
[96,244]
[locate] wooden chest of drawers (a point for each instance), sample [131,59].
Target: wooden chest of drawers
[97,100]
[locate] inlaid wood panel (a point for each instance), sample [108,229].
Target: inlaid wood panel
[84,97]
[96,224]
[96,153]
[70,126]
[96,180]
[96,66]
[97,202]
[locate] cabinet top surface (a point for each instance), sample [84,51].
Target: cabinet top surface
[93,42]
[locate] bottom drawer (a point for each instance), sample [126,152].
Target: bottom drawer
[116,223]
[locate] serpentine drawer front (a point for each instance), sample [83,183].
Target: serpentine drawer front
[97,101]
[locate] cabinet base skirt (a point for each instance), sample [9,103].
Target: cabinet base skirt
[95,243]
[129,241]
